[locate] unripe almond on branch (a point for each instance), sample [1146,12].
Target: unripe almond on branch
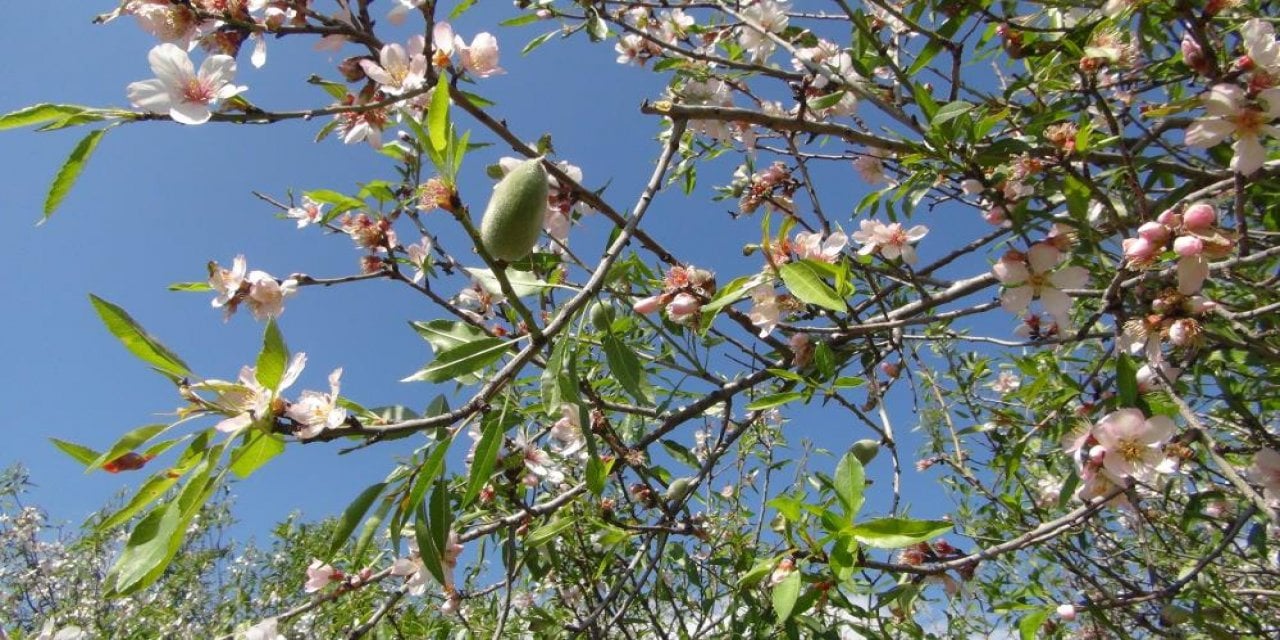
[513,219]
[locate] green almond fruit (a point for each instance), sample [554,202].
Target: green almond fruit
[865,451]
[513,220]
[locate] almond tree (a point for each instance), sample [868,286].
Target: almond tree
[1091,356]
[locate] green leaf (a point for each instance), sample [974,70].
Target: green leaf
[785,594]
[895,533]
[950,111]
[597,474]
[339,203]
[774,400]
[438,116]
[523,283]
[557,387]
[352,516]
[443,335]
[426,545]
[257,451]
[147,552]
[547,532]
[128,442]
[625,367]
[485,457]
[274,357]
[757,573]
[80,453]
[70,171]
[538,42]
[137,340]
[850,481]
[1030,625]
[805,283]
[190,286]
[461,360]
[1126,380]
[38,113]
[737,289]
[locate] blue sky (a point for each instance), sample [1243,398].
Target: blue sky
[159,200]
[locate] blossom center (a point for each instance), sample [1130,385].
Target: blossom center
[198,90]
[1248,121]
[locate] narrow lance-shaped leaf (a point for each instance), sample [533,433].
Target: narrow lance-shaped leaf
[461,360]
[38,114]
[352,515]
[895,533]
[70,171]
[137,340]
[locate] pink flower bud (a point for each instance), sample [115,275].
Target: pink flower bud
[1188,246]
[1168,218]
[1154,232]
[996,215]
[1198,217]
[650,304]
[1193,55]
[1067,612]
[683,305]
[1138,251]
[891,369]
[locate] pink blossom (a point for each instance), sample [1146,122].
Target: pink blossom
[890,240]
[1188,246]
[480,58]
[419,256]
[1006,382]
[997,216]
[1266,471]
[765,312]
[315,411]
[567,431]
[319,575]
[309,212]
[1260,44]
[226,283]
[266,294]
[179,91]
[812,246]
[1036,275]
[1231,114]
[399,70]
[1130,443]
[1066,612]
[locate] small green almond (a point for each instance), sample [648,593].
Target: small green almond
[513,220]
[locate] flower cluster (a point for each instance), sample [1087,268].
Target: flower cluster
[685,290]
[668,26]
[258,289]
[247,402]
[1242,113]
[1193,235]
[1123,444]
